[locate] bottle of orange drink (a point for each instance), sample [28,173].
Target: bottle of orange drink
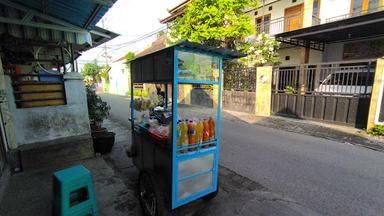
[191,134]
[199,132]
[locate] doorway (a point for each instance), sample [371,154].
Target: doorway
[293,18]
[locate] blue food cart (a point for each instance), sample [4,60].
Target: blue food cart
[174,91]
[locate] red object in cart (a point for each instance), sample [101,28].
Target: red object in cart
[155,134]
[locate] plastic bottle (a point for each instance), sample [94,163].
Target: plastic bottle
[184,134]
[178,136]
[199,132]
[212,129]
[191,134]
[205,131]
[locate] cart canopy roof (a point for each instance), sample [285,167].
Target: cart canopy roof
[226,54]
[158,66]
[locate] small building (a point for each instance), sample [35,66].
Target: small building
[119,75]
[44,116]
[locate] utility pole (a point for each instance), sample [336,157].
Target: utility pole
[105,54]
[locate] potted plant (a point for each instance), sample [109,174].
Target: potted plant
[98,111]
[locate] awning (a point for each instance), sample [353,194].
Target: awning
[69,21]
[366,26]
[81,13]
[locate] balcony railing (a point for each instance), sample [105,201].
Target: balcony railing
[354,14]
[284,24]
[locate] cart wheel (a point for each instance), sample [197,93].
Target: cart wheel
[150,195]
[212,195]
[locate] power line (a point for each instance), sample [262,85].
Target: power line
[116,47]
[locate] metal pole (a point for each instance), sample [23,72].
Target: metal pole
[72,59]
[62,58]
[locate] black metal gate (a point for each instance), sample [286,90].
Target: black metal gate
[334,92]
[239,89]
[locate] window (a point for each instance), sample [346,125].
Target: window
[361,7]
[256,13]
[270,8]
[316,8]
[373,5]
[287,58]
[293,1]
[263,24]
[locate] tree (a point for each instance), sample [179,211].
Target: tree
[92,70]
[104,72]
[130,56]
[216,23]
[160,34]
[263,51]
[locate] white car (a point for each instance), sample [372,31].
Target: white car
[347,83]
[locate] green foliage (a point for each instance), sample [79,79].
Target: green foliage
[139,93]
[98,109]
[92,70]
[215,23]
[104,72]
[289,90]
[263,51]
[378,130]
[161,33]
[130,56]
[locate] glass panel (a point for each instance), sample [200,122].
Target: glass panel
[194,185]
[315,11]
[195,66]
[197,117]
[357,7]
[152,110]
[266,23]
[373,5]
[195,165]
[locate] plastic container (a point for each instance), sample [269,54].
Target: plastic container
[191,135]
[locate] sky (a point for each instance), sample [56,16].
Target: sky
[131,19]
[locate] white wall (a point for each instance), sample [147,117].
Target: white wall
[333,8]
[295,56]
[278,8]
[40,124]
[118,78]
[293,53]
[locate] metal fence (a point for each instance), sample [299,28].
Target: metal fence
[337,78]
[243,79]
[337,92]
[284,24]
[354,14]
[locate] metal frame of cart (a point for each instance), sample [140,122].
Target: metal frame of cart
[164,166]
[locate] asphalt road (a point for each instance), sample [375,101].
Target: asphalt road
[329,177]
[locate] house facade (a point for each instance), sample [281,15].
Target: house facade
[330,54]
[119,77]
[43,106]
[276,17]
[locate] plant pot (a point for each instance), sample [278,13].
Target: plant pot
[96,126]
[103,142]
[98,130]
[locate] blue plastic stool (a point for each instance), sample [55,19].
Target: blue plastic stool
[73,193]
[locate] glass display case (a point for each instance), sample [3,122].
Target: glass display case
[175,118]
